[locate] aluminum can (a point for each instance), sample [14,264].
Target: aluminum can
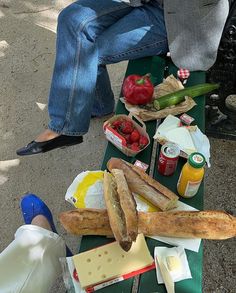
[168,158]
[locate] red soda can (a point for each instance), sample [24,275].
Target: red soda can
[168,158]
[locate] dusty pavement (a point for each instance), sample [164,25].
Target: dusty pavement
[27,39]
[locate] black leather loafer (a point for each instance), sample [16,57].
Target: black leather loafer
[35,147]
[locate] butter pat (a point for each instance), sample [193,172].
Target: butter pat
[111,261]
[173,263]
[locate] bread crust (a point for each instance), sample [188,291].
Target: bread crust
[183,224]
[141,183]
[86,222]
[127,203]
[115,212]
[189,224]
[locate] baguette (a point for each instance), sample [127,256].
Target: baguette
[141,183]
[86,222]
[115,212]
[189,224]
[183,224]
[127,203]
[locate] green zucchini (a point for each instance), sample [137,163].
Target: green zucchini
[179,96]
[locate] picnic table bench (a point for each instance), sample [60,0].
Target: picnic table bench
[158,67]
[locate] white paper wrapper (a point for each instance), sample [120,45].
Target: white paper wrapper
[202,144]
[86,191]
[162,253]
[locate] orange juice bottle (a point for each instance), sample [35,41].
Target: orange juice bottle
[191,175]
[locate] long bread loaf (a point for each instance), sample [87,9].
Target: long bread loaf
[127,203]
[183,224]
[115,212]
[141,183]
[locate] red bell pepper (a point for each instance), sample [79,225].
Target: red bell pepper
[137,89]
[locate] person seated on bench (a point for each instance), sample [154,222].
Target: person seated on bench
[31,262]
[94,33]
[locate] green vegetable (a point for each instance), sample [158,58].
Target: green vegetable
[179,96]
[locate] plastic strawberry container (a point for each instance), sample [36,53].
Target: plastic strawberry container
[118,140]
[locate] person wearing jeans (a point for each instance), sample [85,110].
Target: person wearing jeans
[94,33]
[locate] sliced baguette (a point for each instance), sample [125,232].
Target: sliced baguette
[115,212]
[142,184]
[183,224]
[127,203]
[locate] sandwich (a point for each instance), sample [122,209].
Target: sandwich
[121,208]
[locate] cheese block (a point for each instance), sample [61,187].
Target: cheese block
[110,261]
[182,138]
[170,122]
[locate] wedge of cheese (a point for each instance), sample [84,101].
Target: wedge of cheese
[110,261]
[170,122]
[182,138]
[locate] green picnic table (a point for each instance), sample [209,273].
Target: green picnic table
[159,68]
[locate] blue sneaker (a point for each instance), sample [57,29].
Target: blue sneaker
[32,206]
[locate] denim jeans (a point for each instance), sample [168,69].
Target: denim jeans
[91,34]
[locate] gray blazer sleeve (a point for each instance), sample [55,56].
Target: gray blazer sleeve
[194,29]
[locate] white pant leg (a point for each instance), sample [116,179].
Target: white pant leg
[30,264]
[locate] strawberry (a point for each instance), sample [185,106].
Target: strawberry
[135,147]
[143,141]
[126,127]
[116,124]
[134,136]
[127,138]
